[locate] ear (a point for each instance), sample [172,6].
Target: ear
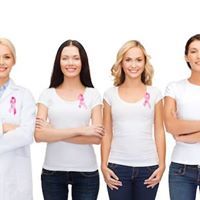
[186,58]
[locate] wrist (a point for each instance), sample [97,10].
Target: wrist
[162,166]
[104,166]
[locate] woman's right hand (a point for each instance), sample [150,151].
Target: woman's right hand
[111,178]
[94,130]
[8,127]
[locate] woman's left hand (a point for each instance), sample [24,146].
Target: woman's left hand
[42,125]
[155,178]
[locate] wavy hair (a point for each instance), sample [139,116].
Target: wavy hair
[117,70]
[9,44]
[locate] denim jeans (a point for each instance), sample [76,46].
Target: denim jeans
[85,185]
[183,181]
[132,179]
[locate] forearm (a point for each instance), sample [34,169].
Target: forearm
[83,140]
[105,150]
[161,148]
[180,127]
[55,135]
[190,138]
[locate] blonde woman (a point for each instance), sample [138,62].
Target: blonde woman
[132,161]
[17,114]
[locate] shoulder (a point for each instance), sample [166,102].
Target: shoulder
[154,89]
[22,91]
[92,91]
[110,91]
[47,92]
[180,83]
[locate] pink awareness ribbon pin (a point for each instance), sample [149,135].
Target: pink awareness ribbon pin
[12,108]
[81,101]
[146,100]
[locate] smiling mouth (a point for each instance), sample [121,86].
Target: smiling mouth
[2,69]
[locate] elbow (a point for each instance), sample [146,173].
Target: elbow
[37,137]
[97,141]
[171,129]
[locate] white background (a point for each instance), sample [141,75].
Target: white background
[38,27]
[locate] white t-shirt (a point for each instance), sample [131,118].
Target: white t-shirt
[187,97]
[132,143]
[64,156]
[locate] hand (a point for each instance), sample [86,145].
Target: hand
[8,127]
[155,178]
[111,178]
[185,139]
[42,125]
[94,130]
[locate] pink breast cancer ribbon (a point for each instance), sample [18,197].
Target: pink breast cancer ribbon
[81,101]
[12,108]
[146,100]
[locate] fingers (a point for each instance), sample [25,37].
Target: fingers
[112,180]
[100,130]
[153,180]
[39,123]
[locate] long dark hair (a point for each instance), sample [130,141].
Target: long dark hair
[192,39]
[57,76]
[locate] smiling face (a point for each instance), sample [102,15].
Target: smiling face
[133,63]
[193,55]
[6,61]
[70,62]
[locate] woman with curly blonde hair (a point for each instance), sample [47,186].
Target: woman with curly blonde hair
[132,161]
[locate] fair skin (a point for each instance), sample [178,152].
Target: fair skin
[69,90]
[6,63]
[133,65]
[187,131]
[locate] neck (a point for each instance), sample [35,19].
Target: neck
[71,83]
[133,83]
[195,78]
[3,80]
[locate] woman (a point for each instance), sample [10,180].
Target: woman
[132,163]
[182,119]
[69,104]
[16,130]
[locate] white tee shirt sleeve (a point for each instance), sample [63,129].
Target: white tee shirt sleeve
[108,95]
[96,100]
[159,95]
[170,90]
[45,97]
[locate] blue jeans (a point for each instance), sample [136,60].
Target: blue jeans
[132,179]
[85,185]
[183,181]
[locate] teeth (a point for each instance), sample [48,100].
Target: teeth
[70,69]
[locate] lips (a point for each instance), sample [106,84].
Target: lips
[70,69]
[2,69]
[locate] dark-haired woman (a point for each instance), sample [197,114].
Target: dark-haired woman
[65,110]
[182,119]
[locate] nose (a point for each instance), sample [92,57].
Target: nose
[1,60]
[70,61]
[133,65]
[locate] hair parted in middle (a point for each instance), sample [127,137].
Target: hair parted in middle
[57,76]
[117,70]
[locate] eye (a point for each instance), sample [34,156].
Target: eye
[7,57]
[127,59]
[139,59]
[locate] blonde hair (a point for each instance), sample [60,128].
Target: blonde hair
[10,45]
[118,72]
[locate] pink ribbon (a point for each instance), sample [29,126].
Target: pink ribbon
[12,108]
[146,100]
[81,101]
